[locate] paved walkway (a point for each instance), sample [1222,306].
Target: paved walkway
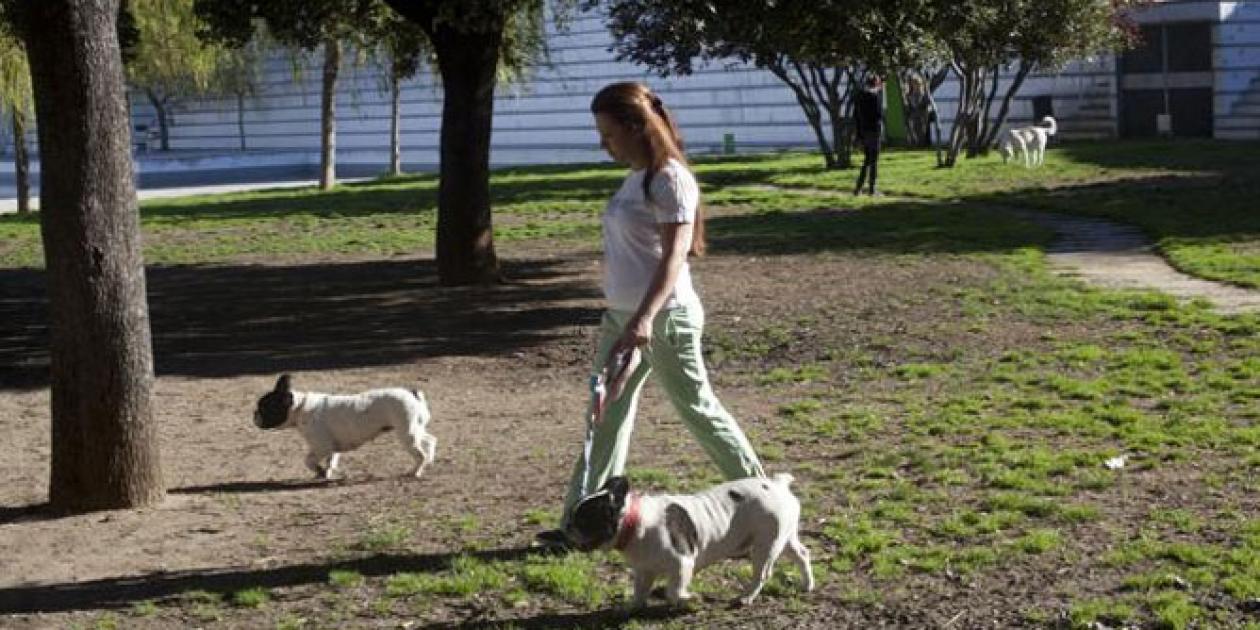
[10,205]
[1119,256]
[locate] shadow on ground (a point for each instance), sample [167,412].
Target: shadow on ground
[213,321]
[120,592]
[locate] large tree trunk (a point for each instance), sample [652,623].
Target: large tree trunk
[468,61]
[395,125]
[104,438]
[21,161]
[465,234]
[328,116]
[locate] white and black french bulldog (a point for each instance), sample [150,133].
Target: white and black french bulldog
[333,425]
[672,536]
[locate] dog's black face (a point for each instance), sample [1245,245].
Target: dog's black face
[595,518]
[273,407]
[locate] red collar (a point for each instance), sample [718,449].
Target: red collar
[629,523]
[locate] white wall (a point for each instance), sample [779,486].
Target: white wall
[547,120]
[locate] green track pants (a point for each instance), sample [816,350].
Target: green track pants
[673,356]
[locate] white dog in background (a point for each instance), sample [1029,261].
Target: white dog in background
[1029,141]
[333,425]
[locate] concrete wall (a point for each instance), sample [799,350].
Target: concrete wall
[1237,61]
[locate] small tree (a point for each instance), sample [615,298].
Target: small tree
[104,439]
[401,51]
[239,76]
[15,98]
[328,25]
[818,49]
[982,37]
[168,63]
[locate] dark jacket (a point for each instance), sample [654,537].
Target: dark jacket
[868,111]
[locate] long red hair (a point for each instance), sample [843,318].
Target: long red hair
[637,109]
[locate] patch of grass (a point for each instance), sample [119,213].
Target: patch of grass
[467,576]
[383,537]
[540,517]
[653,478]
[1183,521]
[144,608]
[570,577]
[812,373]
[343,578]
[857,538]
[1173,610]
[254,597]
[1110,612]
[1038,541]
[914,371]
[290,621]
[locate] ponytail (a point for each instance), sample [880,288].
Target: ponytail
[635,107]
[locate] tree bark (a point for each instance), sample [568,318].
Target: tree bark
[104,438]
[328,116]
[395,125]
[21,161]
[465,234]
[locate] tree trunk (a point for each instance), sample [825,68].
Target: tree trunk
[395,125]
[159,106]
[977,145]
[240,117]
[328,116]
[812,113]
[465,234]
[21,161]
[104,438]
[1004,111]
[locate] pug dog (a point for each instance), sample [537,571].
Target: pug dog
[333,424]
[673,536]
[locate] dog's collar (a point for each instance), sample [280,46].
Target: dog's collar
[629,523]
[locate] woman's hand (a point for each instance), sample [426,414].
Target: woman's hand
[638,333]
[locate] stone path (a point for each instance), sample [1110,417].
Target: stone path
[1119,256]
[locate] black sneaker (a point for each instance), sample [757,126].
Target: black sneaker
[553,539]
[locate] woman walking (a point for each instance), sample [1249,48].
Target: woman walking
[650,225]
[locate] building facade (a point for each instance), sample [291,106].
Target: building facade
[1196,74]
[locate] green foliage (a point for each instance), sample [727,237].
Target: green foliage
[251,597]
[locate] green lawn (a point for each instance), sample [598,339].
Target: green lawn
[1196,199]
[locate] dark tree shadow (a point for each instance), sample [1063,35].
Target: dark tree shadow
[120,592]
[605,618]
[226,320]
[255,487]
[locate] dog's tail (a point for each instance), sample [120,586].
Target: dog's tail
[783,479]
[1054,126]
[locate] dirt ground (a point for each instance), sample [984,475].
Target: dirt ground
[504,370]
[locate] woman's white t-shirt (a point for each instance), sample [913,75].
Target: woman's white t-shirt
[632,236]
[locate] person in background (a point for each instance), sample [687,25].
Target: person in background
[868,117]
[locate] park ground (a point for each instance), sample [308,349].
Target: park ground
[945,402]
